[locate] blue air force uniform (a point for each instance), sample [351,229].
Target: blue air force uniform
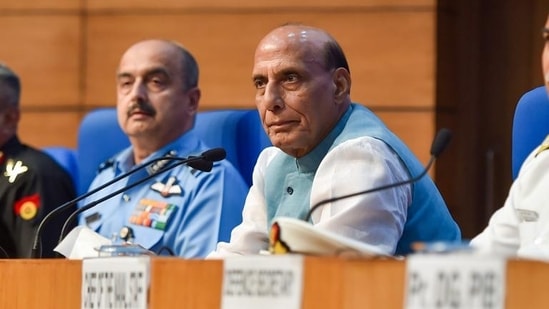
[179,210]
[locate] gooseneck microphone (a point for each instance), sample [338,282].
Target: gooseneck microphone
[439,144]
[203,162]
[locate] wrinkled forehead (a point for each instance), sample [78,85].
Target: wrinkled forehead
[292,43]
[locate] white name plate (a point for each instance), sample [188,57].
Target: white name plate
[455,281]
[115,282]
[262,282]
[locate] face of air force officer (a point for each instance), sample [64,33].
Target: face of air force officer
[154,107]
[298,98]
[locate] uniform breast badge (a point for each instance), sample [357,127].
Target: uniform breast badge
[169,188]
[14,169]
[27,207]
[152,213]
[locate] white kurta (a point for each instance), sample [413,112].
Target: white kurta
[521,226]
[355,165]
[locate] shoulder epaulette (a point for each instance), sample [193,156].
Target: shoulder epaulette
[105,165]
[544,146]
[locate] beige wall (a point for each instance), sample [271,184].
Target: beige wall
[66,53]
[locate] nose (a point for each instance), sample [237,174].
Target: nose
[272,98]
[138,92]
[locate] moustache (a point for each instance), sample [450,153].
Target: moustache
[141,107]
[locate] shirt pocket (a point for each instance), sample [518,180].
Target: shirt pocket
[145,236]
[527,232]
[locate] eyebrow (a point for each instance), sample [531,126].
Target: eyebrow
[153,71]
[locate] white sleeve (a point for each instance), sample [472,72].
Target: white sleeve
[521,226]
[252,235]
[356,165]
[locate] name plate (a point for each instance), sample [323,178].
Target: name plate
[115,282]
[262,282]
[455,281]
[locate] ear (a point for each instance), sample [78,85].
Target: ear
[11,116]
[342,82]
[194,98]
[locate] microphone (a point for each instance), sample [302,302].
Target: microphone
[207,165]
[439,144]
[203,162]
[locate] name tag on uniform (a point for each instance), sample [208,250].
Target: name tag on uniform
[527,215]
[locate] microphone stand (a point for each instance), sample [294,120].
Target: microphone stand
[210,155]
[384,187]
[439,144]
[111,195]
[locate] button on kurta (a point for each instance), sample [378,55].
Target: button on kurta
[290,190]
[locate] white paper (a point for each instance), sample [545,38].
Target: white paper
[81,243]
[262,282]
[115,282]
[455,281]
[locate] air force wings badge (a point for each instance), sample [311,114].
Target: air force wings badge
[169,188]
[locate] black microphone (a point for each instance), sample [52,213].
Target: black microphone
[203,162]
[207,158]
[439,144]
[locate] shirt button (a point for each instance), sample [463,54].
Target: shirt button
[290,190]
[125,197]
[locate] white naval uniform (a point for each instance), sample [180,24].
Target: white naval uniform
[521,226]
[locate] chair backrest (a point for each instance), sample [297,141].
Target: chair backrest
[530,125]
[66,157]
[238,131]
[99,138]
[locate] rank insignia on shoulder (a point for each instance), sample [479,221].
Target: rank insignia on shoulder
[544,146]
[14,169]
[105,165]
[169,188]
[27,207]
[158,165]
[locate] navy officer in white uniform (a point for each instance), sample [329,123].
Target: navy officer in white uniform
[521,226]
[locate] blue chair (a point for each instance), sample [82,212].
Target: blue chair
[530,125]
[238,131]
[66,157]
[99,138]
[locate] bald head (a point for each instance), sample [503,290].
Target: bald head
[315,44]
[173,52]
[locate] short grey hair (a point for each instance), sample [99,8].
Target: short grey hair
[10,87]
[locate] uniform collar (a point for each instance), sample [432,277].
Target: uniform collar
[184,146]
[11,145]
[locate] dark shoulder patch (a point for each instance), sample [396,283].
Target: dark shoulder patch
[103,166]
